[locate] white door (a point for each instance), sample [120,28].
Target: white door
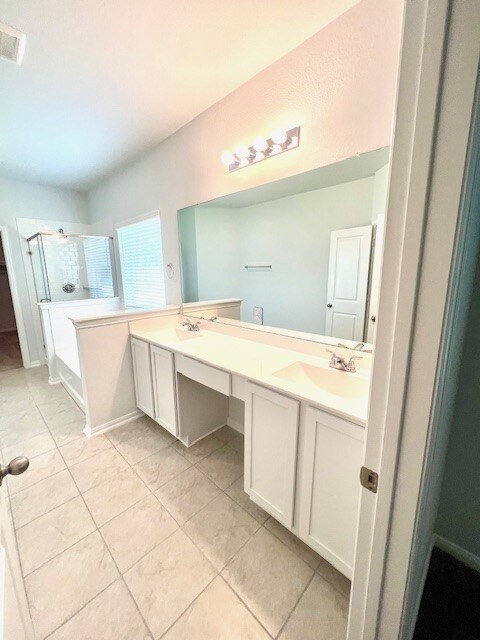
[347,288]
[376,277]
[163,374]
[142,375]
[271,436]
[15,621]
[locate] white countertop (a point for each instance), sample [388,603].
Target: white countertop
[297,374]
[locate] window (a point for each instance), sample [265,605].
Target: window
[141,262]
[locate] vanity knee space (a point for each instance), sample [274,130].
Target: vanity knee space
[301,463]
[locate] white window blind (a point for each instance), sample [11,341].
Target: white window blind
[99,267]
[141,261]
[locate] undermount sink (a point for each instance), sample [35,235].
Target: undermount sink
[184,334]
[338,383]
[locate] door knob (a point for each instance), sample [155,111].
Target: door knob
[329,305]
[14,468]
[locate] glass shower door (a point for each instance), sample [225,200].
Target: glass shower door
[39,269]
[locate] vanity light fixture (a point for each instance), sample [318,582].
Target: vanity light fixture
[262,148]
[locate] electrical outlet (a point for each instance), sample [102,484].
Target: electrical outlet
[258,315]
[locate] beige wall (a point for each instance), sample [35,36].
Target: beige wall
[339,86]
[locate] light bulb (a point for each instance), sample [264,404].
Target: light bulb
[279,136]
[243,151]
[260,144]
[293,142]
[227,158]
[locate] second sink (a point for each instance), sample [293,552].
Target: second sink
[338,383]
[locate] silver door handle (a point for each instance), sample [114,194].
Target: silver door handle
[15,467]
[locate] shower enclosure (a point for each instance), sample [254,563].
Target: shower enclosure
[72,267]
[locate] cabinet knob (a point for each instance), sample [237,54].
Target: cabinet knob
[329,305]
[373,318]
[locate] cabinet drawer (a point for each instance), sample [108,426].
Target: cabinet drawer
[204,374]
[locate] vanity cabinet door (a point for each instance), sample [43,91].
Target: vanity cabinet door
[271,436]
[143,376]
[163,374]
[330,468]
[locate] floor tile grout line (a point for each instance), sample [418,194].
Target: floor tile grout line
[335,588]
[295,606]
[15,531]
[152,492]
[62,504]
[70,546]
[30,486]
[245,604]
[81,609]
[162,635]
[121,576]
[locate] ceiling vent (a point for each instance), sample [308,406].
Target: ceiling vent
[12,43]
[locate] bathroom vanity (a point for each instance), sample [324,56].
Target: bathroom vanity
[304,421]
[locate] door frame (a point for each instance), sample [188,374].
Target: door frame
[17,307]
[439,62]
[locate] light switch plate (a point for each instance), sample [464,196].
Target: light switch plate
[258,315]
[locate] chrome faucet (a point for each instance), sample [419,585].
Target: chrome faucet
[337,362]
[190,326]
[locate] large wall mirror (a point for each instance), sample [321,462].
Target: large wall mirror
[301,254]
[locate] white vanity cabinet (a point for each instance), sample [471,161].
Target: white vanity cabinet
[331,458]
[143,376]
[271,437]
[163,380]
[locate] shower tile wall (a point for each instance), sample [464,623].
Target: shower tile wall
[27,227]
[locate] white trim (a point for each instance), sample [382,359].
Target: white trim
[17,307]
[77,303]
[72,392]
[467,557]
[53,381]
[439,63]
[125,315]
[462,279]
[112,424]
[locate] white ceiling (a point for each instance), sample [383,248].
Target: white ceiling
[104,80]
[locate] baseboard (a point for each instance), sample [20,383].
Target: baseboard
[73,393]
[467,557]
[32,364]
[235,424]
[54,380]
[112,424]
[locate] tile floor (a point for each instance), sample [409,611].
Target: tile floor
[131,536]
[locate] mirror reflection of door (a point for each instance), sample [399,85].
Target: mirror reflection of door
[347,288]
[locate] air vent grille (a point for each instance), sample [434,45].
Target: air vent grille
[12,43]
